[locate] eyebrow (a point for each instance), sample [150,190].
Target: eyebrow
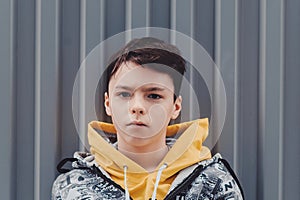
[151,89]
[123,87]
[148,89]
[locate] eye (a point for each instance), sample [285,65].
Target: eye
[124,94]
[154,96]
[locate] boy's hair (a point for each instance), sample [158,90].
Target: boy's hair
[150,51]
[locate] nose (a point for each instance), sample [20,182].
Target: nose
[137,106]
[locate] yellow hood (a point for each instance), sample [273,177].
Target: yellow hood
[186,151]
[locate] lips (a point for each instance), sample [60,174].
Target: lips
[136,123]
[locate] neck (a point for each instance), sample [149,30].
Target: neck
[148,160]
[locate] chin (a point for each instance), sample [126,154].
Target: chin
[139,142]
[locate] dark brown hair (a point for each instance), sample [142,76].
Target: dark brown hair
[149,51]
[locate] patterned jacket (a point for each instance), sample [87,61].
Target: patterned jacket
[211,179]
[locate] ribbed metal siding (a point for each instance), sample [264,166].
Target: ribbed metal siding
[255,44]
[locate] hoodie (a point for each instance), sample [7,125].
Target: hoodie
[186,172]
[140,184]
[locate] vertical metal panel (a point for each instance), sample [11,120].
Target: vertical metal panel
[93,22]
[204,24]
[69,64]
[291,136]
[46,96]
[182,11]
[160,13]
[7,103]
[225,58]
[139,13]
[272,103]
[181,16]
[115,17]
[247,99]
[25,99]
[203,29]
[92,18]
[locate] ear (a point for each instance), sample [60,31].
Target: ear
[106,104]
[177,107]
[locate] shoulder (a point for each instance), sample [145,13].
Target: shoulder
[74,184]
[209,179]
[83,181]
[217,180]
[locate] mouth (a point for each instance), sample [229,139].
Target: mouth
[136,123]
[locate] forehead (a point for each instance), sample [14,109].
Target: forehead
[135,76]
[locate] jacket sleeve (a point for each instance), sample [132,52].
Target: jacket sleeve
[216,181]
[70,185]
[56,192]
[230,187]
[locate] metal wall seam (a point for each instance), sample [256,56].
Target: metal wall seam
[192,54]
[236,88]
[102,20]
[148,16]
[58,85]
[13,43]
[37,117]
[281,106]
[173,20]
[217,60]
[217,33]
[128,19]
[102,52]
[82,76]
[262,98]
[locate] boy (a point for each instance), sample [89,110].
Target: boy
[142,97]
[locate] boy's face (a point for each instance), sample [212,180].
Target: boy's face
[141,103]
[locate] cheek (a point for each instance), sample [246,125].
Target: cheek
[159,114]
[119,109]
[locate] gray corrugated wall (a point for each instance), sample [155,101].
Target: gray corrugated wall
[255,43]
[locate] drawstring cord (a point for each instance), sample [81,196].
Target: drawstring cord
[125,183]
[158,176]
